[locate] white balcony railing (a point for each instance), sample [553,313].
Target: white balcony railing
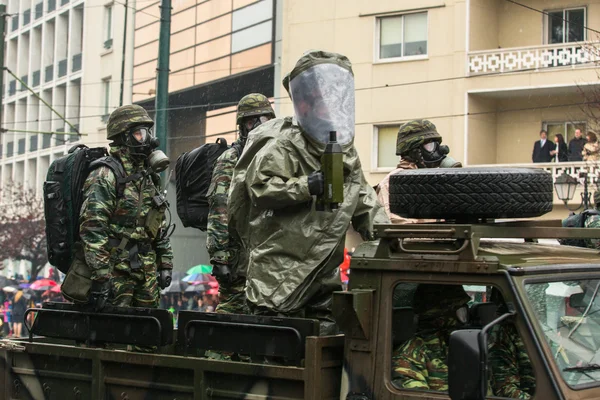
[533,58]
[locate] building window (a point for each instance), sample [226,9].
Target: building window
[402,36]
[565,26]
[106,100]
[385,147]
[108,26]
[567,129]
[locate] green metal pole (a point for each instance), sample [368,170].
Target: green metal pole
[162,81]
[2,32]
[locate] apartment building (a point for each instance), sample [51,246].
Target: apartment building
[489,73]
[220,50]
[69,52]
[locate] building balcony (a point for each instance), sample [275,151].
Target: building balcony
[49,73]
[77,62]
[36,78]
[62,68]
[51,5]
[533,58]
[39,10]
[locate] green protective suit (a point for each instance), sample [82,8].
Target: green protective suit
[294,251]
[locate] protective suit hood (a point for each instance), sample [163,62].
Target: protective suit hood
[321,87]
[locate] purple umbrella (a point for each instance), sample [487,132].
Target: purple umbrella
[24,285]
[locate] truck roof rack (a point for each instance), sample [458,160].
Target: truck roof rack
[465,238]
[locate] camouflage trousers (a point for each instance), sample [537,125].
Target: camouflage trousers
[232,297]
[128,291]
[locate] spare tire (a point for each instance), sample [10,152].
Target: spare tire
[467,193]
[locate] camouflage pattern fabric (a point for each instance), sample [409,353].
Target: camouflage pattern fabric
[105,217]
[593,221]
[126,117]
[512,372]
[131,292]
[420,363]
[232,297]
[413,134]
[253,104]
[222,248]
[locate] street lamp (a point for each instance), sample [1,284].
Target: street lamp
[565,186]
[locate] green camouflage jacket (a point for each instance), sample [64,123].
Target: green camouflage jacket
[105,217]
[512,373]
[221,247]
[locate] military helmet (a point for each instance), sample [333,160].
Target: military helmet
[126,117]
[413,134]
[253,104]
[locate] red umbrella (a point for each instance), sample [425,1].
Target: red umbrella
[43,284]
[55,289]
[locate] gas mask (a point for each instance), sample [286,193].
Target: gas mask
[142,144]
[435,155]
[251,123]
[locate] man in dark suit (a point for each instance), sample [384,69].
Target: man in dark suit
[542,149]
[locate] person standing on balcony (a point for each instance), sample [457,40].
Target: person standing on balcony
[591,150]
[576,146]
[542,149]
[560,152]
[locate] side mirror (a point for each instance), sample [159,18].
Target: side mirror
[467,370]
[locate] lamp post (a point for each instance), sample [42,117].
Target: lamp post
[565,186]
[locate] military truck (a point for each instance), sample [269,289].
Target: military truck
[546,294]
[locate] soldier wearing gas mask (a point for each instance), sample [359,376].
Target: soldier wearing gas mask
[419,145]
[123,228]
[226,253]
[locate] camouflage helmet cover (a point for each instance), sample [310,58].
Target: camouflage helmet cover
[126,117]
[413,134]
[253,104]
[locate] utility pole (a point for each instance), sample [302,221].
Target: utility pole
[162,81]
[126,6]
[3,16]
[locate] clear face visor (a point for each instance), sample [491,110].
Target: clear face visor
[252,123]
[323,98]
[141,134]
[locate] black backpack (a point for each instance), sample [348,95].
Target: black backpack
[193,174]
[577,221]
[63,197]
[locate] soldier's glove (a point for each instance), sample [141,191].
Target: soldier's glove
[164,278]
[316,183]
[222,271]
[99,294]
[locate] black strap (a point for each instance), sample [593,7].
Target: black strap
[222,142]
[117,168]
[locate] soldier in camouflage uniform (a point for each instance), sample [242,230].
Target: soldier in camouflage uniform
[121,239]
[511,370]
[593,221]
[420,363]
[229,263]
[418,144]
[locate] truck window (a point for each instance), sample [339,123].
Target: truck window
[424,316]
[569,315]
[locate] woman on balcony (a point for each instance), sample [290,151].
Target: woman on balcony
[561,152]
[591,150]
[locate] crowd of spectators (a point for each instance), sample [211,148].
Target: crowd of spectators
[578,149]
